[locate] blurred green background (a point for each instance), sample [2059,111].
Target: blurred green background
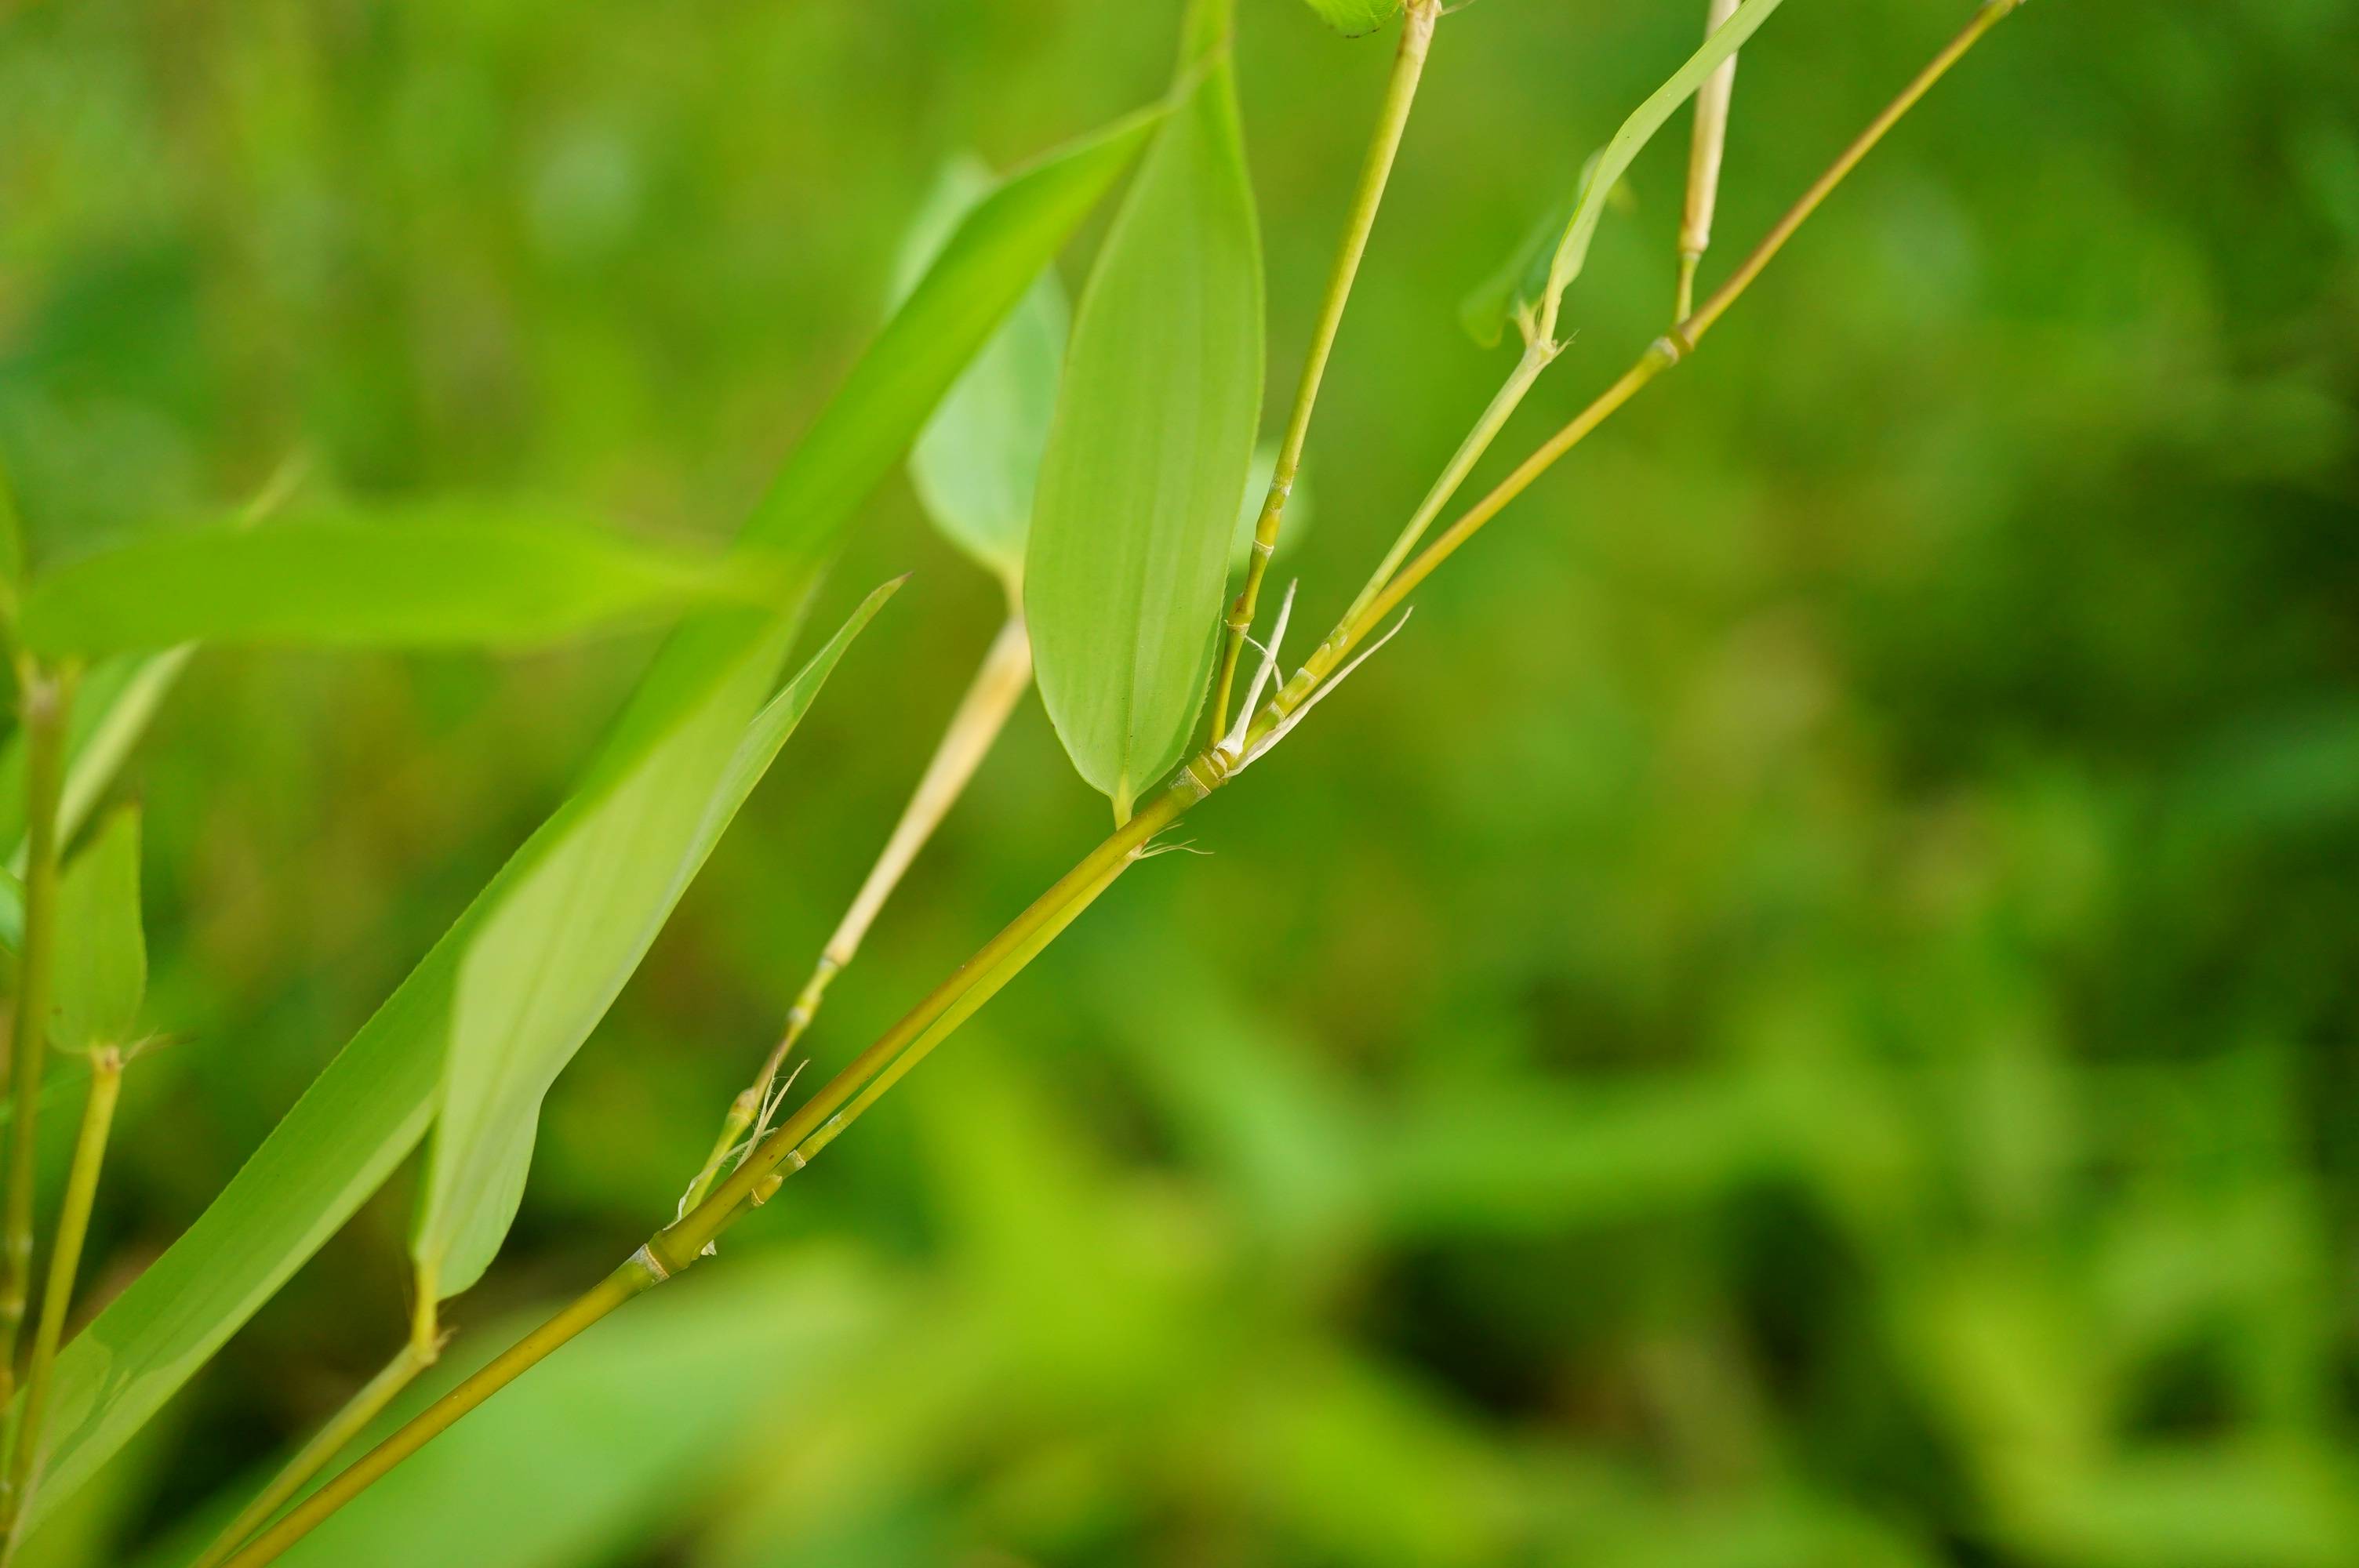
[1806,1013]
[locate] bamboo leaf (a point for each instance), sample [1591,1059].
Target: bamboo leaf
[994,256]
[372,1103]
[1540,270]
[549,958]
[977,461]
[114,701]
[1515,288]
[1147,460]
[440,574]
[113,707]
[1352,17]
[101,957]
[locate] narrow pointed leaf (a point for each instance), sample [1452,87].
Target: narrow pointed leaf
[977,461]
[101,957]
[366,1110]
[438,576]
[994,257]
[1147,460]
[113,707]
[1521,279]
[546,962]
[372,1103]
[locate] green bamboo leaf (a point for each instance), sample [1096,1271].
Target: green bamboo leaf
[1148,457]
[1515,288]
[440,574]
[372,1103]
[101,959]
[1352,17]
[1551,257]
[977,461]
[549,958]
[114,701]
[113,704]
[995,257]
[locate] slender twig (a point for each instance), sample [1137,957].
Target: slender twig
[1712,102]
[1384,146]
[982,713]
[46,700]
[1991,14]
[314,1457]
[634,1275]
[57,1291]
[678,1247]
[1537,354]
[1669,348]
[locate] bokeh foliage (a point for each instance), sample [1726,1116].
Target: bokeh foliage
[1803,1015]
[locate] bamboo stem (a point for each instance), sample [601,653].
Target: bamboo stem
[782,1153]
[636,1273]
[679,1244]
[974,728]
[1991,14]
[315,1455]
[1383,148]
[1664,352]
[57,1290]
[1538,353]
[47,700]
[1703,160]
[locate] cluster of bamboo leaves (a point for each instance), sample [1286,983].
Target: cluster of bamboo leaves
[1098,458]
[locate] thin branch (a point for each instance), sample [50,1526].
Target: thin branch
[1681,340]
[1384,146]
[46,701]
[1991,12]
[1703,160]
[57,1291]
[314,1457]
[634,1275]
[982,713]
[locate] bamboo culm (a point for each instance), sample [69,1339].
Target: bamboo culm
[46,700]
[57,1291]
[1392,123]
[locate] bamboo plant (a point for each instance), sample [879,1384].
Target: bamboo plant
[1119,512]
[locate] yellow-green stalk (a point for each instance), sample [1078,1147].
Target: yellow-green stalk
[1711,139]
[46,700]
[1392,120]
[57,1291]
[1006,676]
